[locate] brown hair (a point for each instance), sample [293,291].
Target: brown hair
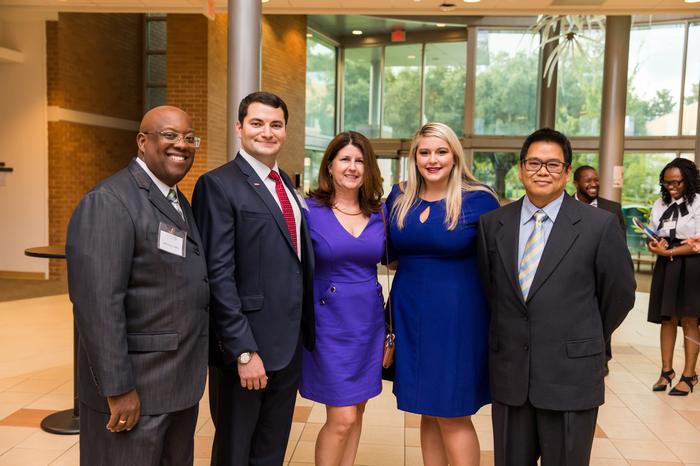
[371,191]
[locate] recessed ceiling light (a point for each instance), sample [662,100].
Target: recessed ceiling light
[264,1]
[692,1]
[308,34]
[411,57]
[472,1]
[445,7]
[441,25]
[356,32]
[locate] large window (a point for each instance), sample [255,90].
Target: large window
[445,73]
[579,87]
[500,171]
[654,80]
[506,82]
[692,81]
[361,90]
[402,88]
[320,104]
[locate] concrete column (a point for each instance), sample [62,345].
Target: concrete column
[612,121]
[470,93]
[244,51]
[548,94]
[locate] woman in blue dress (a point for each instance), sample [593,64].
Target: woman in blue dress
[440,316]
[348,235]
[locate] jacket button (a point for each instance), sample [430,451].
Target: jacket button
[525,318]
[206,308]
[323,301]
[526,347]
[332,289]
[206,280]
[196,251]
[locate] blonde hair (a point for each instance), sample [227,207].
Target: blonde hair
[461,178]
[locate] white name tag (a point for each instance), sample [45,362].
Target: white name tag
[670,225]
[171,239]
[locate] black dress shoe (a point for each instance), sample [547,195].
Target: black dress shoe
[690,381]
[607,370]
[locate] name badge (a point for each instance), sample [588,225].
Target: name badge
[670,225]
[171,239]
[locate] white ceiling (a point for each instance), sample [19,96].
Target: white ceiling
[377,7]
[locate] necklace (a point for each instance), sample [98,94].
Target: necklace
[346,213]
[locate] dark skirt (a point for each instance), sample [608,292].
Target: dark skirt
[675,288]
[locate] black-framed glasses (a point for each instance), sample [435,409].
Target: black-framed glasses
[174,137]
[671,183]
[555,167]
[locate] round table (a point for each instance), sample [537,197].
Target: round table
[64,422]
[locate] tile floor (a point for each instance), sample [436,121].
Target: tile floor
[635,426]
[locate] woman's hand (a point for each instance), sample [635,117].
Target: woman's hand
[659,247]
[694,242]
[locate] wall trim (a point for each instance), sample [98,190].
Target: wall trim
[56,113]
[22,275]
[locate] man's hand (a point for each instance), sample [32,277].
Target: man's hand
[125,411]
[252,374]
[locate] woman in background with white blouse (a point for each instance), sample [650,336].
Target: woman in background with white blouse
[675,294]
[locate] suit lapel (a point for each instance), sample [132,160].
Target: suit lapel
[258,186]
[193,232]
[561,238]
[155,196]
[507,244]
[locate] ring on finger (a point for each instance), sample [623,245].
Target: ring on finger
[122,421]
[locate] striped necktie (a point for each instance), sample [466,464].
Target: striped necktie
[172,197]
[532,254]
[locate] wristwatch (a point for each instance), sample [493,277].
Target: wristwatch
[244,358]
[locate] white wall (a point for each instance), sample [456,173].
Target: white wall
[23,136]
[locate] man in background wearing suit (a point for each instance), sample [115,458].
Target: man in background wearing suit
[587,186]
[261,276]
[138,283]
[558,282]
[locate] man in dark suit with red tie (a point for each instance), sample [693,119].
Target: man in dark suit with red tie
[587,186]
[260,266]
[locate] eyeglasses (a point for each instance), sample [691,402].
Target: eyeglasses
[173,137]
[554,167]
[671,183]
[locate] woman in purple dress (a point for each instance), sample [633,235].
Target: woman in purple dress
[345,220]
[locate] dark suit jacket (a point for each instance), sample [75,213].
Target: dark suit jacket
[141,312]
[614,208]
[550,348]
[261,294]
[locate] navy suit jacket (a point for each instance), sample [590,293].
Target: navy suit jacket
[261,293]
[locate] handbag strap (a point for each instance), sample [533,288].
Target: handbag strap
[386,258]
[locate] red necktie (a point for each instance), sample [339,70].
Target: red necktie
[287,211]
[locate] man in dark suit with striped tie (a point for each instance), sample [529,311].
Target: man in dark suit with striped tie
[558,281]
[260,266]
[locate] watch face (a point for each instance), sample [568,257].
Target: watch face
[244,358]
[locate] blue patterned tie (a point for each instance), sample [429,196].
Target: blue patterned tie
[532,254]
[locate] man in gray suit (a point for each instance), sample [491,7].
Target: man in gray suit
[138,282]
[558,281]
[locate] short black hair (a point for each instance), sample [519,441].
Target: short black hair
[548,135]
[691,180]
[265,98]
[579,171]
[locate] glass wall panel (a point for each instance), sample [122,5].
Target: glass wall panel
[692,81]
[312,162]
[402,74]
[654,80]
[362,80]
[389,167]
[500,171]
[320,93]
[580,87]
[506,82]
[445,74]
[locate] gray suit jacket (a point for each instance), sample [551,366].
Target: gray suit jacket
[142,313]
[550,349]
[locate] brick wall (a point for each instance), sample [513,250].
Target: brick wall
[93,66]
[284,73]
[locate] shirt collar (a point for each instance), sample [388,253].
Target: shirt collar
[262,170]
[162,187]
[594,202]
[552,209]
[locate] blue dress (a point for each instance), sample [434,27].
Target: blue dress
[345,367]
[440,313]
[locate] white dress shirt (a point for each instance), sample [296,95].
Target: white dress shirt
[263,171]
[594,203]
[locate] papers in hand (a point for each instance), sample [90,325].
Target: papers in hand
[645,229]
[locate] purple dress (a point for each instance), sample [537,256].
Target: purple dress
[345,367]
